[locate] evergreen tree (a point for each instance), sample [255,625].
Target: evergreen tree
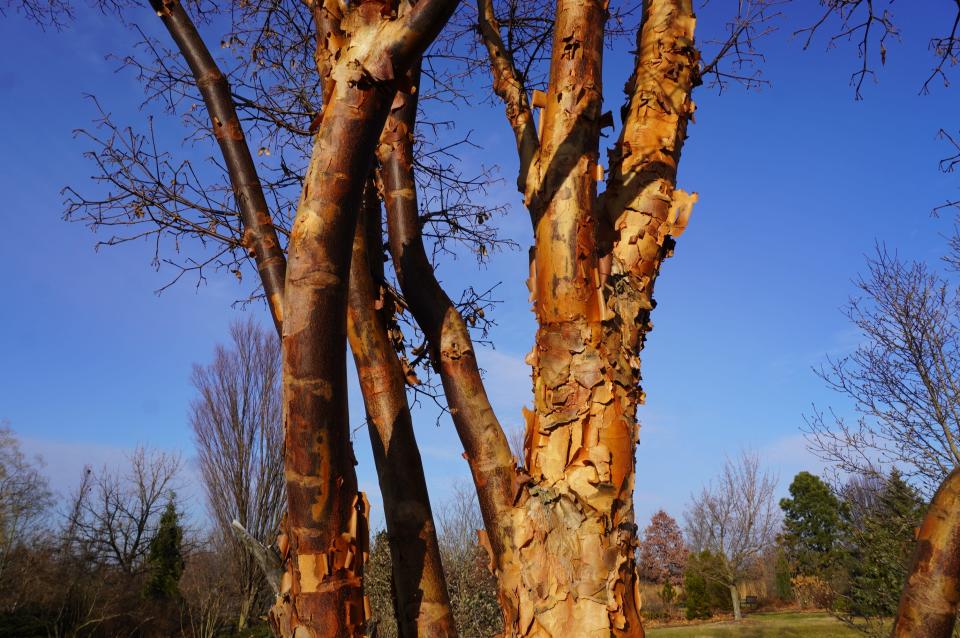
[695,589]
[705,593]
[881,543]
[812,523]
[165,558]
[378,586]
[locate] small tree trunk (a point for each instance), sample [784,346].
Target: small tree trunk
[245,604]
[422,602]
[735,599]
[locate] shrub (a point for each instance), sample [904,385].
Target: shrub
[812,592]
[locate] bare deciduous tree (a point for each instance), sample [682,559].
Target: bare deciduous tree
[24,501]
[115,512]
[736,518]
[902,379]
[204,584]
[24,495]
[238,425]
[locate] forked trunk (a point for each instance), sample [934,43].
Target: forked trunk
[326,537]
[567,565]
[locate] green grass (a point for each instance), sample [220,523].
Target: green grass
[784,625]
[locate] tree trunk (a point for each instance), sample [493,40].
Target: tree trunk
[246,603]
[422,601]
[326,521]
[931,595]
[326,526]
[567,566]
[735,600]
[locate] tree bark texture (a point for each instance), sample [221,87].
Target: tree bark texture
[326,515]
[325,540]
[568,567]
[735,601]
[485,445]
[928,605]
[422,601]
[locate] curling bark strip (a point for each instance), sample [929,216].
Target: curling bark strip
[259,235]
[485,445]
[928,605]
[326,516]
[422,601]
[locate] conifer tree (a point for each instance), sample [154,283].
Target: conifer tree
[881,545]
[165,559]
[812,524]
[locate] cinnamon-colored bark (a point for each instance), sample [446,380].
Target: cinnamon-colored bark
[928,606]
[326,517]
[422,601]
[424,604]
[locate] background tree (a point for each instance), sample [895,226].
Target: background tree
[663,554]
[116,513]
[812,526]
[473,589]
[879,545]
[901,378]
[237,422]
[734,519]
[26,528]
[25,500]
[703,594]
[165,558]
[207,608]
[378,587]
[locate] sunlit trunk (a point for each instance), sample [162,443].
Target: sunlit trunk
[931,596]
[568,567]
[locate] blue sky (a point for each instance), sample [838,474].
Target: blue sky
[796,182]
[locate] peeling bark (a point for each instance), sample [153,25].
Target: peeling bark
[931,596]
[507,86]
[422,601]
[325,544]
[569,568]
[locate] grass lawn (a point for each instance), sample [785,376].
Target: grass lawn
[786,625]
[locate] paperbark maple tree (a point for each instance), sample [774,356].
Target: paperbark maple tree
[559,526]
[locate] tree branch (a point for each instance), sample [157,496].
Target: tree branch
[484,442]
[509,87]
[260,236]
